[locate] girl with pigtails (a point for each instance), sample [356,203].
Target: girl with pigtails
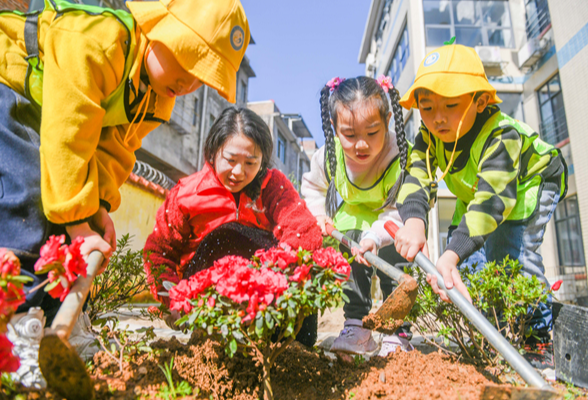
[363,163]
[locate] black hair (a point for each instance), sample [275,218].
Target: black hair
[233,121]
[346,95]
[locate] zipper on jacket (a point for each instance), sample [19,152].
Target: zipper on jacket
[237,213]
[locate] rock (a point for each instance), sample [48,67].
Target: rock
[142,370]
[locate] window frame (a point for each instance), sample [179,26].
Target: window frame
[281,148]
[405,55]
[484,27]
[557,116]
[559,222]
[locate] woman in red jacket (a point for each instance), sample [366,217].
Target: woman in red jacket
[234,206]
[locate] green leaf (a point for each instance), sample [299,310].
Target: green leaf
[21,278]
[233,346]
[52,285]
[450,42]
[269,321]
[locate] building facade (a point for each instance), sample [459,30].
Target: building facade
[534,53]
[288,132]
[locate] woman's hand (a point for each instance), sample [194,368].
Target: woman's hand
[366,245]
[322,221]
[411,238]
[447,266]
[102,223]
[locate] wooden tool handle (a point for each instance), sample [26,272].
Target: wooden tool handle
[72,305]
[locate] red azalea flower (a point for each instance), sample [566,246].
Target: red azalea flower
[51,252]
[9,264]
[180,296]
[211,302]
[276,257]
[8,361]
[11,296]
[555,287]
[269,285]
[74,262]
[62,288]
[301,273]
[331,258]
[251,308]
[235,285]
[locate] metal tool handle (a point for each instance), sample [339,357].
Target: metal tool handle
[72,305]
[527,372]
[373,259]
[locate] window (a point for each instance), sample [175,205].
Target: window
[554,126]
[512,105]
[472,22]
[281,148]
[400,57]
[538,18]
[196,110]
[570,245]
[243,93]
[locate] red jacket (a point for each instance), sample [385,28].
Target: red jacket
[199,203]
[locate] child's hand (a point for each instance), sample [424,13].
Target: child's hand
[366,245]
[411,238]
[447,266]
[322,221]
[102,223]
[92,241]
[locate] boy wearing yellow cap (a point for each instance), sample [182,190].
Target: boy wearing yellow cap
[506,180]
[80,86]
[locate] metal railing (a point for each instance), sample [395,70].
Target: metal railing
[538,20]
[555,128]
[153,175]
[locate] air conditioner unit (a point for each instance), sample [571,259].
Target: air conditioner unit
[490,55]
[532,51]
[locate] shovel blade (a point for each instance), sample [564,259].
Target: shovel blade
[515,393]
[64,370]
[391,314]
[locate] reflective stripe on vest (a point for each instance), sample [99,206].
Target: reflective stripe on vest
[114,104]
[536,156]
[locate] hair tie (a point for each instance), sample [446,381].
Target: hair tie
[385,82]
[334,83]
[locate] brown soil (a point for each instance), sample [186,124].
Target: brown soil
[299,373]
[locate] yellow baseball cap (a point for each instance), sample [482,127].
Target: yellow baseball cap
[207,37]
[450,71]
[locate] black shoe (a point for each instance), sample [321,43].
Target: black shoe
[404,331]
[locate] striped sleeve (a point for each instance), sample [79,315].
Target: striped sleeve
[415,193]
[496,193]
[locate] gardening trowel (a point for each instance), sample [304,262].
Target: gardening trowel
[391,314]
[60,364]
[541,390]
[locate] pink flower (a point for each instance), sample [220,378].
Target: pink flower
[9,264]
[74,262]
[180,296]
[276,257]
[301,273]
[52,252]
[211,302]
[62,288]
[8,361]
[555,287]
[385,82]
[334,83]
[331,258]
[11,296]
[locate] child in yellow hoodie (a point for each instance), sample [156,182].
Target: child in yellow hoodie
[80,87]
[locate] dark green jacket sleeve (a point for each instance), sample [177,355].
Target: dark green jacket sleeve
[496,193]
[415,195]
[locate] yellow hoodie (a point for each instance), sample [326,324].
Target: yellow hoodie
[85,154]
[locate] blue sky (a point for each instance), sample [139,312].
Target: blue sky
[300,45]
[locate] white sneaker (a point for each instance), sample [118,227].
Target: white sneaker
[354,339]
[392,342]
[25,331]
[83,339]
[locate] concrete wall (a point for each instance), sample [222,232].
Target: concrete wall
[136,214]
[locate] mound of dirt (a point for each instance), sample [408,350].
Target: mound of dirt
[299,373]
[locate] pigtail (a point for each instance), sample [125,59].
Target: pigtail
[330,156]
[253,190]
[401,143]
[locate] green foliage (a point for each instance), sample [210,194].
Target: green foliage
[123,279]
[121,344]
[9,388]
[500,291]
[171,391]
